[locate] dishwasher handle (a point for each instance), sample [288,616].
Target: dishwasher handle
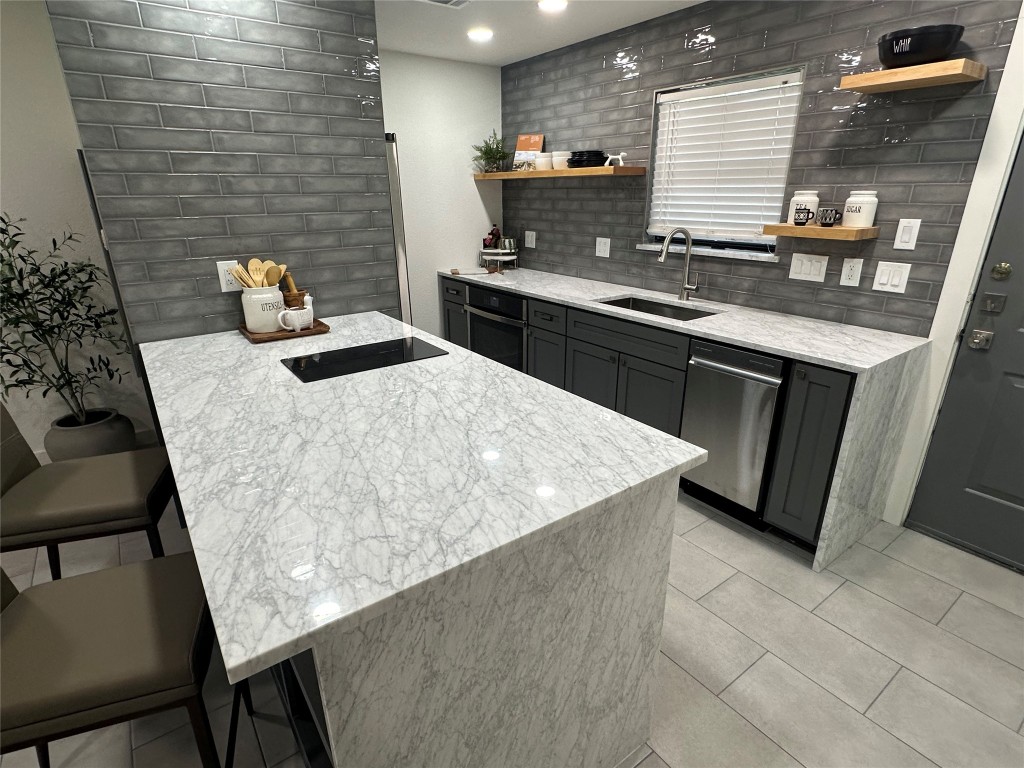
[742,373]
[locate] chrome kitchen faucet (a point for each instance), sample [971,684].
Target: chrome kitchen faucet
[685,289]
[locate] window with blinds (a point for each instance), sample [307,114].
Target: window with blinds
[721,157]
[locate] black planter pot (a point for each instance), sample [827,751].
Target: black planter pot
[105,431]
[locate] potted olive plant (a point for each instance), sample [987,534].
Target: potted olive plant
[491,156]
[58,337]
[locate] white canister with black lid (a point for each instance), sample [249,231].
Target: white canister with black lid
[804,198]
[860,208]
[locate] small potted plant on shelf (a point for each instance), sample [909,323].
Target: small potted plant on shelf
[491,156]
[59,337]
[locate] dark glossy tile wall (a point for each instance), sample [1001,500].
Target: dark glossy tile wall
[220,128]
[917,148]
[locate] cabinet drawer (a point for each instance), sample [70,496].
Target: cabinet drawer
[551,317]
[654,344]
[453,290]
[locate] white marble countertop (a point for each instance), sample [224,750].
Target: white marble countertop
[320,503]
[846,347]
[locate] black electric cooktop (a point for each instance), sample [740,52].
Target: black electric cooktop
[368,357]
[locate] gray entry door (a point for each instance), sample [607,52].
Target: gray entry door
[971,491]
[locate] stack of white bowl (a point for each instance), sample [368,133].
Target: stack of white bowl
[543,161]
[560,160]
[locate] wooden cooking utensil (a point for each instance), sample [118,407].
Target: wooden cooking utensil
[256,272]
[267,265]
[291,283]
[242,276]
[272,275]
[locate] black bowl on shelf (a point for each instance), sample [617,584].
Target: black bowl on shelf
[920,45]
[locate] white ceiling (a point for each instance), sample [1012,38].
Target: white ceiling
[521,29]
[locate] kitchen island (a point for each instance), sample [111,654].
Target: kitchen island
[477,560]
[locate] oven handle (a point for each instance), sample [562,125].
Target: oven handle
[497,318]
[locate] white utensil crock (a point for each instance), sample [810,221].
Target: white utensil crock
[261,307]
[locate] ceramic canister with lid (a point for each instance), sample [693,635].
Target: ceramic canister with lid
[860,208]
[804,198]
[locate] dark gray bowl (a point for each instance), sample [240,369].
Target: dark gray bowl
[920,45]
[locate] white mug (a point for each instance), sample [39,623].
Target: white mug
[295,318]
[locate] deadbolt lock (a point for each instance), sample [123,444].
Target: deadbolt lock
[1002,270]
[980,339]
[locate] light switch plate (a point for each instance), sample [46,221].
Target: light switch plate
[808,266]
[604,247]
[891,277]
[227,280]
[851,271]
[531,239]
[906,234]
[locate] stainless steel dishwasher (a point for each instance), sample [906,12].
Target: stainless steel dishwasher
[728,409]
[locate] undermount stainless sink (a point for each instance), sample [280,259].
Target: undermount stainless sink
[657,308]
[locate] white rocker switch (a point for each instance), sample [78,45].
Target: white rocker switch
[906,234]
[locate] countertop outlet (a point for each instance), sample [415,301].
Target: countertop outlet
[530,239]
[604,247]
[227,280]
[851,271]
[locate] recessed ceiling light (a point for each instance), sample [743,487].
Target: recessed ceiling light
[480,34]
[552,6]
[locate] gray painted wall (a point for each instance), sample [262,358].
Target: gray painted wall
[917,148]
[216,129]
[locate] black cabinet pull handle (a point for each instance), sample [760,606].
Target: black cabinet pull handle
[801,373]
[611,358]
[545,316]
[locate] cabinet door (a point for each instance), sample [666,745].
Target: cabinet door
[650,393]
[812,426]
[592,372]
[545,356]
[456,323]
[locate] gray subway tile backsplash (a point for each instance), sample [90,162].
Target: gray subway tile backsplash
[196,137]
[918,149]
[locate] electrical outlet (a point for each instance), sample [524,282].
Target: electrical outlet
[851,271]
[604,247]
[906,234]
[531,239]
[808,266]
[891,277]
[227,280]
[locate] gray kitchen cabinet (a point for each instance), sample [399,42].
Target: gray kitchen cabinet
[592,372]
[456,323]
[812,427]
[650,393]
[545,356]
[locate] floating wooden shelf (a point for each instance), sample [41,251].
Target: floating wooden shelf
[921,76]
[813,231]
[601,170]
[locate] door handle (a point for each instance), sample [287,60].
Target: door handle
[980,339]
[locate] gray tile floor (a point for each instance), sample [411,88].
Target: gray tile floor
[906,652]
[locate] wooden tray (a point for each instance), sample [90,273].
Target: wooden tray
[318,327]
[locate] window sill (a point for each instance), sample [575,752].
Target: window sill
[717,253]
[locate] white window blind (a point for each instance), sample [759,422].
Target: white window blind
[722,155]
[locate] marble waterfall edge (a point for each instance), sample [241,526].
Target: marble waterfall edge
[544,656]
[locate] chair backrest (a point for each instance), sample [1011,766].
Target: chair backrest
[16,459]
[7,590]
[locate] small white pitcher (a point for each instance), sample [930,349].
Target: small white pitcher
[261,307]
[295,318]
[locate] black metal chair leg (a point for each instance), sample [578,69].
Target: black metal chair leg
[43,755]
[203,733]
[244,693]
[229,757]
[155,545]
[53,555]
[246,696]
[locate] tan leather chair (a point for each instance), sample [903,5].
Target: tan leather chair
[102,648]
[45,506]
